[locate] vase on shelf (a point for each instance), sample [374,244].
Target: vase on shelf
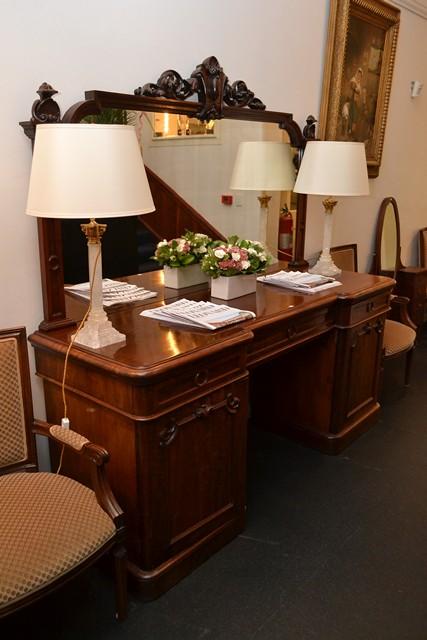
[181,277]
[227,288]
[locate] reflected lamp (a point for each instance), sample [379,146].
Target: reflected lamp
[263,166]
[89,171]
[332,169]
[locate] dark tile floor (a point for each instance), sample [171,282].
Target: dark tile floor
[335,548]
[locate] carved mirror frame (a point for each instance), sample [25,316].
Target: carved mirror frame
[216,99]
[377,267]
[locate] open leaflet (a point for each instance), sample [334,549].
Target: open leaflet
[202,314]
[301,281]
[113,292]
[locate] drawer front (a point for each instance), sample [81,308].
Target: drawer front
[271,340]
[184,383]
[369,308]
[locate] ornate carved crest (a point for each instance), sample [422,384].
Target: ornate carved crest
[45,110]
[210,84]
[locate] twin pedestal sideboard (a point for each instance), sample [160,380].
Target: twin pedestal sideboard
[171,405]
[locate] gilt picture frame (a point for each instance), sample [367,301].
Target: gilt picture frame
[361,50]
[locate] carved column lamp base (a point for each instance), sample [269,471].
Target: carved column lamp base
[264,200]
[325,266]
[97,331]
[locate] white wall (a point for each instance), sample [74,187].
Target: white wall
[276,47]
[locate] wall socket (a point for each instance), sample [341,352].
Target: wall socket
[416,88]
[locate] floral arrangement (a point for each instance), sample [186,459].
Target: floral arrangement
[181,252]
[235,257]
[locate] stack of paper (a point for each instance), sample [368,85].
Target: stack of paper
[300,281]
[198,314]
[114,292]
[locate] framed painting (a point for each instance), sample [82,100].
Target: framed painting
[361,50]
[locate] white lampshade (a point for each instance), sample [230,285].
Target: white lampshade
[333,169]
[87,171]
[263,166]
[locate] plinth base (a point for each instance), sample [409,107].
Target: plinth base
[98,333]
[325,266]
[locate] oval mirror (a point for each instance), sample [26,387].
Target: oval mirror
[387,252]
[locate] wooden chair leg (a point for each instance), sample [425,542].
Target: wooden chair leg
[408,363]
[120,575]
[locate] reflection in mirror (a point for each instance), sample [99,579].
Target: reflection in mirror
[389,246]
[199,167]
[172,126]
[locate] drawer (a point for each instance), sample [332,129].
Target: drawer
[273,339]
[349,314]
[186,382]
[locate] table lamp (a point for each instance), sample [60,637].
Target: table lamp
[89,170]
[332,169]
[263,166]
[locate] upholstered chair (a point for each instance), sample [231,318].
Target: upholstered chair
[51,527]
[400,332]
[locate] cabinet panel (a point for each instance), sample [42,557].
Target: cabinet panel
[358,364]
[192,481]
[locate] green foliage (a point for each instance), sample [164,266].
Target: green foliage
[109,116]
[181,252]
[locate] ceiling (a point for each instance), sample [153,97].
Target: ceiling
[416,6]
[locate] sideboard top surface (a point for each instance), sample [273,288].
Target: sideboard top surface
[151,347]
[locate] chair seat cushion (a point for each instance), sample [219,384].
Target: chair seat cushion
[397,337]
[49,524]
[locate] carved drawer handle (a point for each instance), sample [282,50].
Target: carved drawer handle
[168,434]
[201,377]
[291,332]
[53,262]
[369,306]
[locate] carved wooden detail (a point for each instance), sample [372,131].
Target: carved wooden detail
[231,403]
[210,84]
[44,110]
[169,85]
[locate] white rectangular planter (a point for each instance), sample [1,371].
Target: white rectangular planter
[233,287]
[184,276]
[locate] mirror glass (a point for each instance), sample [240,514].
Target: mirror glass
[196,161]
[198,167]
[389,246]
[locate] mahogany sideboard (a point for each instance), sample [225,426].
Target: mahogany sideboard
[171,405]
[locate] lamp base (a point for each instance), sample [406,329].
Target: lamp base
[325,266]
[97,333]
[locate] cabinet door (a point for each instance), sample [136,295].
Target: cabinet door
[192,473]
[359,353]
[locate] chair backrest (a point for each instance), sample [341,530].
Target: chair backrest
[345,256]
[17,446]
[423,247]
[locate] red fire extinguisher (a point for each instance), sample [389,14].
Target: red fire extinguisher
[286,223]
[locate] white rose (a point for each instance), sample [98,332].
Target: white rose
[219,253]
[235,256]
[163,243]
[202,249]
[245,264]
[251,251]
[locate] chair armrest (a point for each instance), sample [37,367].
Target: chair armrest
[97,455]
[399,306]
